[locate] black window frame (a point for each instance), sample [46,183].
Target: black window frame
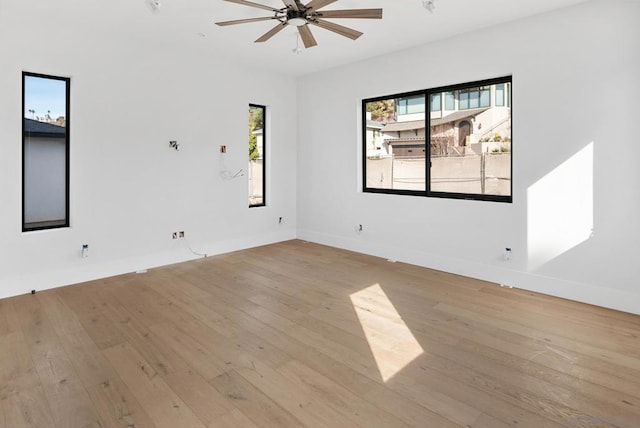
[66,224]
[264,155]
[456,88]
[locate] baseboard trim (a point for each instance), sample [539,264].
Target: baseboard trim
[585,293]
[91,271]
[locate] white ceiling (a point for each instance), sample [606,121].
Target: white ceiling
[190,24]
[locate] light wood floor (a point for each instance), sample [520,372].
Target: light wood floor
[297,334]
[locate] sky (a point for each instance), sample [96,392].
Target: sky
[42,95]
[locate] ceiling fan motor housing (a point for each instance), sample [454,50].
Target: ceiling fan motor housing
[297,17]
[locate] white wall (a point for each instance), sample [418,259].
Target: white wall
[575,168]
[129,190]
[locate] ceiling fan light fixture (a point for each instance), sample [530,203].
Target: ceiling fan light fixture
[298,21]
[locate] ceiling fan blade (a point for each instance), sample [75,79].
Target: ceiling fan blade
[269,34]
[339,29]
[252,4]
[352,13]
[244,21]
[291,4]
[318,4]
[306,36]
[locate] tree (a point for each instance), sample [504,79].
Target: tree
[382,111]
[256,121]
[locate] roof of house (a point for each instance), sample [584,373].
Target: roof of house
[405,141]
[403,126]
[374,124]
[419,124]
[459,115]
[35,127]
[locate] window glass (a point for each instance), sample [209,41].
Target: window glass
[394,144]
[464,100]
[470,156]
[474,99]
[45,145]
[485,97]
[500,95]
[435,102]
[257,144]
[415,105]
[449,101]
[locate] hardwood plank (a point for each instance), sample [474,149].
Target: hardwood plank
[17,371]
[116,405]
[158,400]
[295,397]
[622,360]
[8,318]
[202,398]
[63,319]
[68,400]
[155,351]
[253,403]
[198,354]
[351,408]
[73,410]
[102,330]
[234,419]
[87,360]
[28,408]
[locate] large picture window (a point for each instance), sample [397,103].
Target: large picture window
[45,151]
[257,144]
[469,150]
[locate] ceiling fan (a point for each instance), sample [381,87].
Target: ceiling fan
[297,14]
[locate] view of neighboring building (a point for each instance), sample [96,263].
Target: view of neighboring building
[469,134]
[471,120]
[45,163]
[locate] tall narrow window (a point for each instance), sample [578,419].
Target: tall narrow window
[257,166]
[45,152]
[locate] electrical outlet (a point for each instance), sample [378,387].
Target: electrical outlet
[280,220]
[181,234]
[174,235]
[223,149]
[507,254]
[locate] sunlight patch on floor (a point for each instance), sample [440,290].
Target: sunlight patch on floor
[392,344]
